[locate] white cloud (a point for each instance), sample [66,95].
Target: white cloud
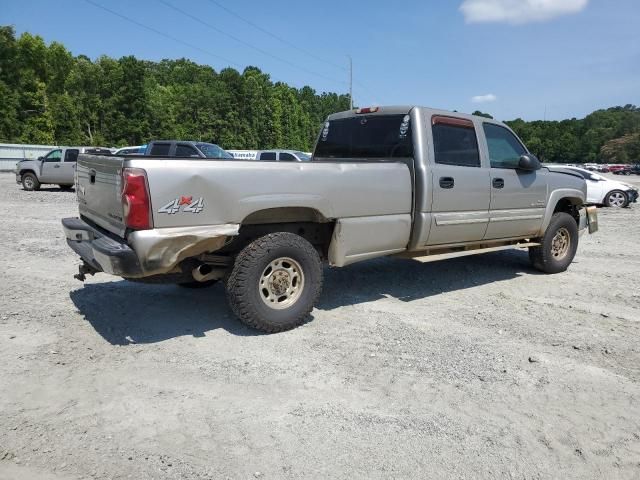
[518,11]
[489,97]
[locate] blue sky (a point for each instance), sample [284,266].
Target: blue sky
[520,57]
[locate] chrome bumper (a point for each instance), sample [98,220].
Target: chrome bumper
[588,220]
[145,252]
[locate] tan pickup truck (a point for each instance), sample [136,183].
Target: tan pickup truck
[402,180]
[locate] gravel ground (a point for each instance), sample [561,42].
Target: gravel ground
[469,368]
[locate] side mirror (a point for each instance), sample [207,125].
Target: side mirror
[528,163]
[40,159]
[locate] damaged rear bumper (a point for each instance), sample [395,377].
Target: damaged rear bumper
[145,252]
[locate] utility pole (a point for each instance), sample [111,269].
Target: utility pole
[350,83]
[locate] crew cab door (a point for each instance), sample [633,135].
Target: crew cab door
[518,198]
[50,168]
[68,166]
[459,182]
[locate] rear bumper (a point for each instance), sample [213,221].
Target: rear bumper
[145,252]
[100,251]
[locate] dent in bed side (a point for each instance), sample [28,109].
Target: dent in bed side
[161,250]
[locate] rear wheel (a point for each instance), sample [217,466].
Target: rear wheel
[616,199]
[30,182]
[275,282]
[558,245]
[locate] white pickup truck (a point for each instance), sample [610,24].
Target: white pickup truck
[409,181]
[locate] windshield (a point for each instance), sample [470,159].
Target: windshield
[303,156]
[371,137]
[211,150]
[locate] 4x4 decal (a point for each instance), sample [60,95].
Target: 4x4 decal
[190,205]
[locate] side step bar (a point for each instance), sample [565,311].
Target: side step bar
[451,253]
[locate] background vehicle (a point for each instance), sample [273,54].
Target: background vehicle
[409,181]
[135,150]
[620,169]
[283,156]
[56,167]
[179,148]
[277,155]
[603,191]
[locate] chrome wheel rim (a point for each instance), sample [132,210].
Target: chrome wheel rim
[281,283]
[616,199]
[28,182]
[560,244]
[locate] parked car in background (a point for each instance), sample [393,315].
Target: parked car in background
[180,148]
[275,155]
[603,191]
[56,167]
[620,169]
[283,156]
[135,150]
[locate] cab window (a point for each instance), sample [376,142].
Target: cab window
[71,155]
[504,148]
[455,142]
[183,150]
[268,156]
[287,157]
[160,149]
[53,156]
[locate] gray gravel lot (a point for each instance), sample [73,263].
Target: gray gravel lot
[471,368]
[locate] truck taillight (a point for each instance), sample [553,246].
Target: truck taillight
[136,203]
[367,110]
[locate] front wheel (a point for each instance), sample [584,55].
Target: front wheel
[30,182]
[275,282]
[616,199]
[558,245]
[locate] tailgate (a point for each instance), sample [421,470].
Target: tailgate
[99,188]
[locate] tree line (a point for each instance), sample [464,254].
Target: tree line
[49,96]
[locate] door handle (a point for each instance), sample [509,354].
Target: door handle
[498,183]
[447,182]
[56,166]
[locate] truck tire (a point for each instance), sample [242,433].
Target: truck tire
[558,245]
[616,199]
[30,182]
[275,282]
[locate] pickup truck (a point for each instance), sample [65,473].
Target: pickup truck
[180,148]
[56,167]
[406,181]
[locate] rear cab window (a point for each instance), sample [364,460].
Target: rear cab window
[160,149]
[372,138]
[71,155]
[455,141]
[184,150]
[268,156]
